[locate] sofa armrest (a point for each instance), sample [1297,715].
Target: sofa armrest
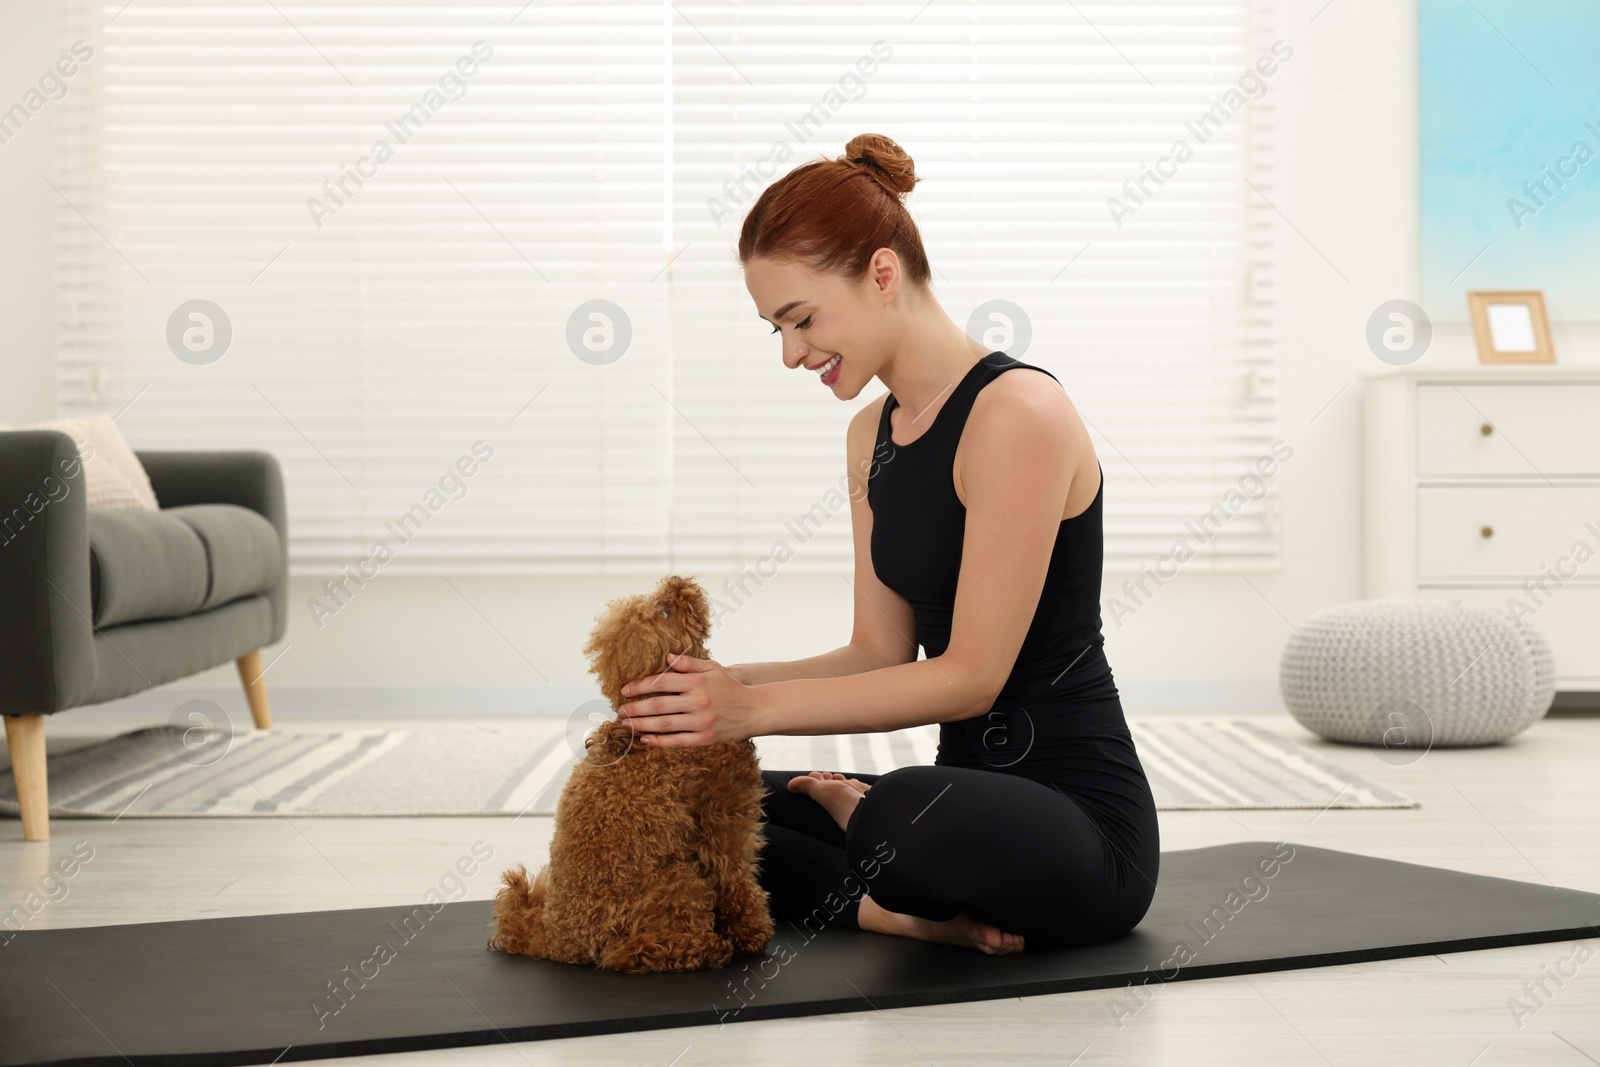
[46,634]
[249,479]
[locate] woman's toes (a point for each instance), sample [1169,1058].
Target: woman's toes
[994,941]
[804,780]
[835,795]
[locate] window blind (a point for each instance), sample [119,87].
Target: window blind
[470,271]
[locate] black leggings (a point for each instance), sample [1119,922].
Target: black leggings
[931,841]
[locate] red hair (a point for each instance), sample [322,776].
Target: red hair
[833,214]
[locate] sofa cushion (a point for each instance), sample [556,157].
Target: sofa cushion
[113,477]
[241,547]
[176,561]
[143,565]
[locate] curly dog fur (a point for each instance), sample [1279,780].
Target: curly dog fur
[654,856]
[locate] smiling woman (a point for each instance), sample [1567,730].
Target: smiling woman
[977,536]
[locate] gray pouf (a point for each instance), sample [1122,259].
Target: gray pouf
[1416,673]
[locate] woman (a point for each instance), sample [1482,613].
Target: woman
[976,512]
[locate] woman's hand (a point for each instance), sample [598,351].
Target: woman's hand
[695,702]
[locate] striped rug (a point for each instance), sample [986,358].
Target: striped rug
[450,769]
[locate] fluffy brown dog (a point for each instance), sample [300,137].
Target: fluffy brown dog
[653,860]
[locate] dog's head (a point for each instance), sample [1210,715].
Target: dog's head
[633,634]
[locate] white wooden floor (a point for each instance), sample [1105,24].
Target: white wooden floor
[1527,810]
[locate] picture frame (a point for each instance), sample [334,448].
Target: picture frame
[1511,326]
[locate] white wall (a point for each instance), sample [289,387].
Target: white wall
[27,254]
[1348,188]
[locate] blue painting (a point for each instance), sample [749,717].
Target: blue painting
[1510,153]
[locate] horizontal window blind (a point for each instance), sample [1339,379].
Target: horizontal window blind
[470,271]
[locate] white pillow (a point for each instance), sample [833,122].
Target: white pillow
[113,477]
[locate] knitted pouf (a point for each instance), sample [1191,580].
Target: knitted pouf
[1416,673]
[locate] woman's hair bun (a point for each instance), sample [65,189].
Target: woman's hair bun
[885,160]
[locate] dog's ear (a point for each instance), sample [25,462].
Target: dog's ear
[682,599]
[624,646]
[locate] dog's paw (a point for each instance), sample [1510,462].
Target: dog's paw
[656,952]
[752,936]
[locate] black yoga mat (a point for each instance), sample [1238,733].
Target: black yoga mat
[245,990]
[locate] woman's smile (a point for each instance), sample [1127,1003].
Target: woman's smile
[830,370]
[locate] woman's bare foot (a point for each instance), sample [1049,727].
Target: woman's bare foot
[837,794]
[964,931]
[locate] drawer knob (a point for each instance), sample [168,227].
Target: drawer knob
[1486,429]
[1487,531]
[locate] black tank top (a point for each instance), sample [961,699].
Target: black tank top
[1059,717]
[918,523]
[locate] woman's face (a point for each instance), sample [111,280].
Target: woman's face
[818,317]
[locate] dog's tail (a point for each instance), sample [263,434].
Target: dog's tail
[519,914]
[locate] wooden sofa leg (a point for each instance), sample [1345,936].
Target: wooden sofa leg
[25,739]
[255,688]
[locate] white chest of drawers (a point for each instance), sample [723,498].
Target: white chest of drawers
[1483,484]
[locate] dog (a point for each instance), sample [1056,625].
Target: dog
[654,858]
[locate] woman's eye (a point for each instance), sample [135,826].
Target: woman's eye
[799,325]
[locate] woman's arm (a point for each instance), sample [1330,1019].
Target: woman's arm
[890,698]
[1019,449]
[884,626]
[1014,501]
[846,660]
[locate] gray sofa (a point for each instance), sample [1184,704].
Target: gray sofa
[96,605]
